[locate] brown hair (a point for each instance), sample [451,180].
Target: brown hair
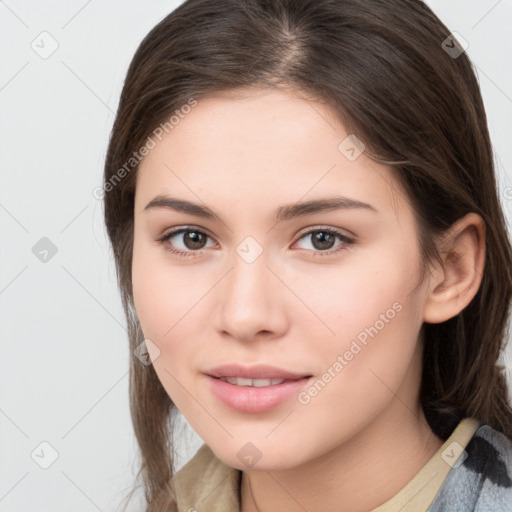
[384,69]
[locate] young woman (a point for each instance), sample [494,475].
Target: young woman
[313,260]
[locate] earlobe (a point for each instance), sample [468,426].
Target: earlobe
[452,287]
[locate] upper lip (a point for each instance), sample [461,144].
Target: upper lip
[260,371]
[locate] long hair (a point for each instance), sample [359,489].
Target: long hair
[395,77]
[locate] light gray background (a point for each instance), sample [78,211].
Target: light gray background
[64,363]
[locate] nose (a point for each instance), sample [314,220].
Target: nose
[251,301]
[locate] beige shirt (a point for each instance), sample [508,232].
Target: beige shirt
[206,484]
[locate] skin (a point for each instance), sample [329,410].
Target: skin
[243,156]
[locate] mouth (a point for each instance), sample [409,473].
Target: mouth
[256,393]
[256,383]
[256,374]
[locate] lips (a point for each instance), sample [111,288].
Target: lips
[257,372]
[254,389]
[255,399]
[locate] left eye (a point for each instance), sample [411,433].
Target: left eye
[194,240]
[323,240]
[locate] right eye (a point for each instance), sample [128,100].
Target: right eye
[193,240]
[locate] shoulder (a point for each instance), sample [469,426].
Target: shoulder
[491,456]
[483,479]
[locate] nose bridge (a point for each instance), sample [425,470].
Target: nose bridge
[248,299]
[248,280]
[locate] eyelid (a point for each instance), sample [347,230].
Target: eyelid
[185,227]
[319,227]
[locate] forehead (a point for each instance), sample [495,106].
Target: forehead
[262,144]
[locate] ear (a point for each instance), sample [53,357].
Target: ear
[453,286]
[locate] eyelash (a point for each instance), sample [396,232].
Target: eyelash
[347,242]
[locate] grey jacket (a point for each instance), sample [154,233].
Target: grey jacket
[482,482]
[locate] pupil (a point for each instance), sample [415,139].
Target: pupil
[323,239]
[196,239]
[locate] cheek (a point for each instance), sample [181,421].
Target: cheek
[376,322]
[373,323]
[170,304]
[349,296]
[359,381]
[163,300]
[163,293]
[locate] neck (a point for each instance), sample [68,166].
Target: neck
[380,461]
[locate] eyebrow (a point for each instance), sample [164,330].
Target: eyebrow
[282,213]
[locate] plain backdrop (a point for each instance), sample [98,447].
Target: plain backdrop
[64,362]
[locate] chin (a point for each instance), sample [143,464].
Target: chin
[258,456]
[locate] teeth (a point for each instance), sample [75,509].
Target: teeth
[257,383]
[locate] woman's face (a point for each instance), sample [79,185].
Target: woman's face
[327,294]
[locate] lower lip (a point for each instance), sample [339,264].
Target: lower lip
[252,399]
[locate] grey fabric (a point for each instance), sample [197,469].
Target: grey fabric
[483,481]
